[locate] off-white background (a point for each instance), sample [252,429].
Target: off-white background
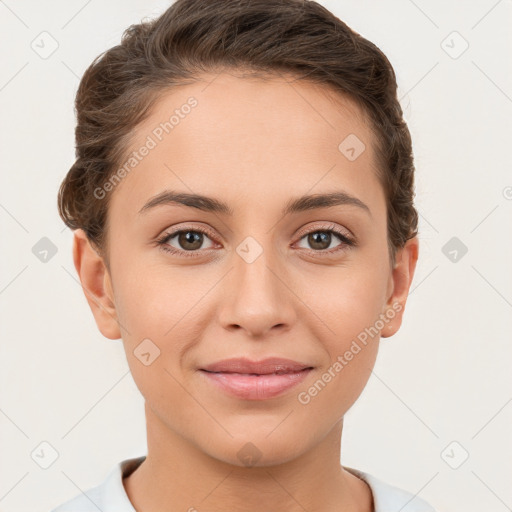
[444,377]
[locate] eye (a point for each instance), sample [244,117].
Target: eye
[320,240]
[188,241]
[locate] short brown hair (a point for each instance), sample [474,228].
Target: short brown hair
[191,37]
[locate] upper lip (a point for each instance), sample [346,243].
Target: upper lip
[263,367]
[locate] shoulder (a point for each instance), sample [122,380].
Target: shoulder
[92,499]
[109,496]
[387,497]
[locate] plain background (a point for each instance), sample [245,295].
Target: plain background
[441,388]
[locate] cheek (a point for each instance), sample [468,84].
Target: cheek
[171,310]
[346,300]
[348,304]
[349,309]
[155,301]
[159,321]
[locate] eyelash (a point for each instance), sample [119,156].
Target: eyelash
[162,242]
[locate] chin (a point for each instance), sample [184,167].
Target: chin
[256,450]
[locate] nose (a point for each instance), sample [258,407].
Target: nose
[257,296]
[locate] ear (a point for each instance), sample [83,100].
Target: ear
[96,284]
[399,283]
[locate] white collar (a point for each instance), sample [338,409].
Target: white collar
[110,496]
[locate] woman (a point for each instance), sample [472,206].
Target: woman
[242,202]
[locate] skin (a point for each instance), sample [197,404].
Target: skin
[254,145]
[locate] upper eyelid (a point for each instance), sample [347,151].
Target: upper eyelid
[330,227]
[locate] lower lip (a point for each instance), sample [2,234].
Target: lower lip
[256,387]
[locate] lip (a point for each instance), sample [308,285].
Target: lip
[263,367]
[256,380]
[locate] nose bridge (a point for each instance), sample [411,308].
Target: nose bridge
[257,298]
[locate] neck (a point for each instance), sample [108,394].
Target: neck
[177,476]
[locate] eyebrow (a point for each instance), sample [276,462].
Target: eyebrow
[296,205]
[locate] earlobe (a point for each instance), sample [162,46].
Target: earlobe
[400,282]
[96,284]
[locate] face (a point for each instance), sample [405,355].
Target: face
[263,276]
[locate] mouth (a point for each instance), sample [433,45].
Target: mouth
[282,372]
[269,366]
[251,386]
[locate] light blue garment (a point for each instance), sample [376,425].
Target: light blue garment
[110,496]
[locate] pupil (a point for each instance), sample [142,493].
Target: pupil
[190,237]
[320,240]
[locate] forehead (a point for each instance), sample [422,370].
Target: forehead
[239,137]
[273,109]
